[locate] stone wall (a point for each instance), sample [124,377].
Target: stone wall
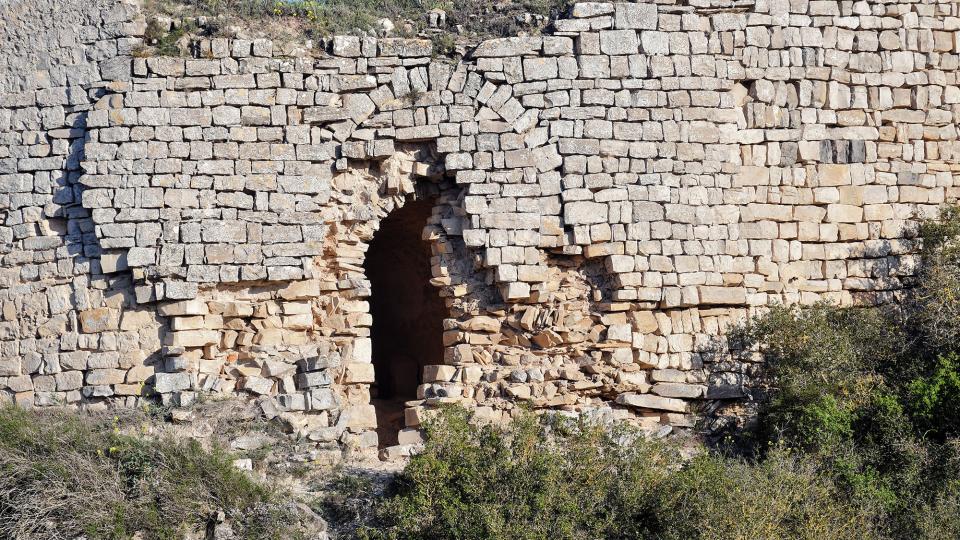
[608,199]
[56,57]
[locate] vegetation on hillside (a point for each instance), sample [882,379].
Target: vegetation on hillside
[323,18]
[66,476]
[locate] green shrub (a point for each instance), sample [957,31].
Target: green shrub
[557,478]
[935,302]
[786,495]
[935,399]
[851,391]
[822,349]
[348,501]
[62,476]
[536,480]
[939,519]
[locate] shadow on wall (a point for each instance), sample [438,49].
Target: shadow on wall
[63,338]
[407,311]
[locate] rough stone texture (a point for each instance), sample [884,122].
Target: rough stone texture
[609,200]
[60,314]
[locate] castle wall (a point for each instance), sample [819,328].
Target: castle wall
[608,200]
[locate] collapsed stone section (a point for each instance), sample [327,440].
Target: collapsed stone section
[611,198]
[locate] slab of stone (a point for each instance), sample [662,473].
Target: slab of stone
[648,401]
[722,295]
[99,320]
[640,16]
[508,47]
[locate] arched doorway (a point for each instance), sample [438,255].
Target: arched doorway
[407,311]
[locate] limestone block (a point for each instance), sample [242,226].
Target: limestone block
[647,401]
[362,350]
[620,356]
[324,115]
[258,385]
[635,16]
[68,380]
[316,363]
[591,9]
[350,83]
[113,262]
[722,295]
[138,374]
[321,399]
[128,390]
[668,375]
[834,175]
[164,383]
[435,373]
[271,336]
[98,377]
[508,47]
[620,333]
[540,69]
[844,213]
[293,402]
[195,322]
[515,291]
[584,212]
[409,436]
[348,46]
[518,391]
[615,42]
[417,133]
[655,43]
[9,367]
[645,322]
[361,416]
[557,45]
[357,372]
[140,256]
[99,320]
[193,338]
[405,47]
[481,324]
[183,308]
[678,390]
[313,379]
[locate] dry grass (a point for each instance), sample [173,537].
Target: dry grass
[467,21]
[64,476]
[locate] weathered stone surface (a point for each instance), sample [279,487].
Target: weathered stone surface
[193,338]
[618,42]
[405,47]
[361,417]
[647,401]
[164,383]
[678,390]
[99,320]
[508,47]
[723,295]
[606,202]
[584,212]
[635,16]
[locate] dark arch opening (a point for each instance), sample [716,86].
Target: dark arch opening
[407,311]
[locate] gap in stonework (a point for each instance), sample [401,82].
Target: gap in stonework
[407,311]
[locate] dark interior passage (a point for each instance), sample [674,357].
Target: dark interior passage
[407,312]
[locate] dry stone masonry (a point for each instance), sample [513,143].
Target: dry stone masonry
[606,201]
